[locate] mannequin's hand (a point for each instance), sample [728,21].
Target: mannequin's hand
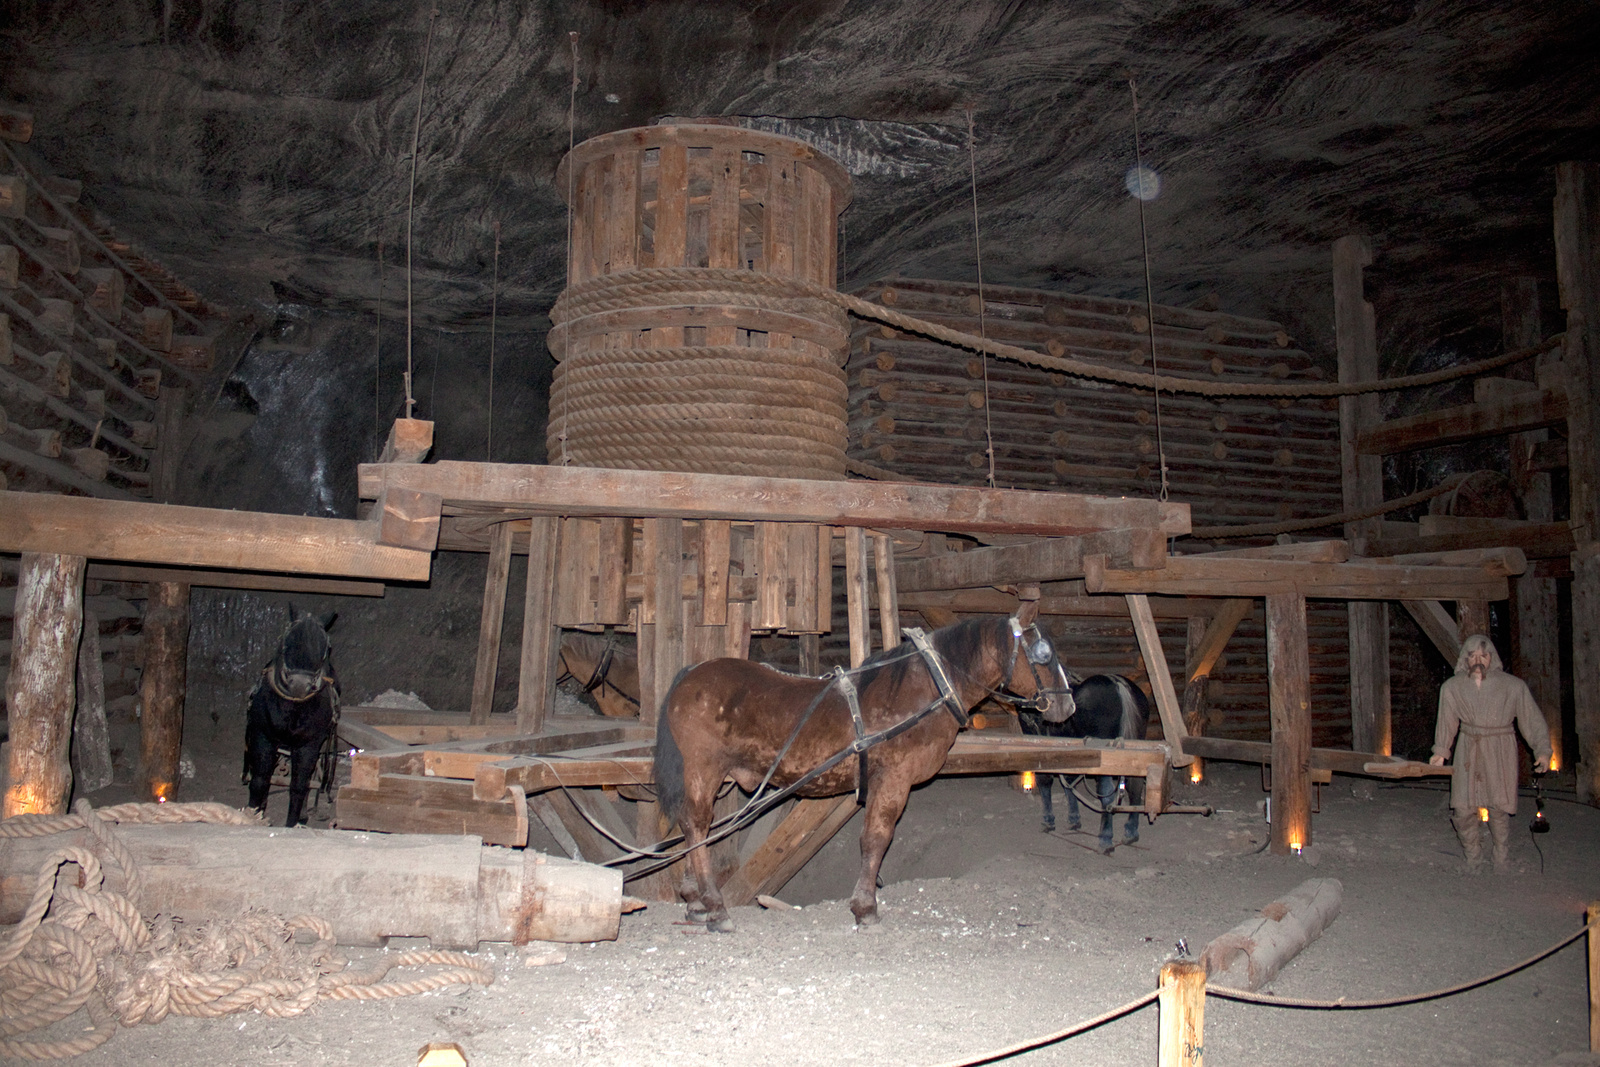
[1436,761]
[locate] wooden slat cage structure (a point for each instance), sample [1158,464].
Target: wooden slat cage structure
[707,381]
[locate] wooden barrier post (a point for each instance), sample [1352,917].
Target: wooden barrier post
[1183,1014]
[536,671]
[855,593]
[161,687]
[1289,694]
[1593,917]
[41,689]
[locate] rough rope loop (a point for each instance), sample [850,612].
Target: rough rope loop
[97,952]
[634,393]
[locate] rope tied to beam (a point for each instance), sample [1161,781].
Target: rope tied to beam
[97,952]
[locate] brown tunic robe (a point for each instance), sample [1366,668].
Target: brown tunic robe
[1484,774]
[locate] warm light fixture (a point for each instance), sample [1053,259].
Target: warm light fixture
[1555,762]
[1195,774]
[1027,781]
[1296,847]
[1483,814]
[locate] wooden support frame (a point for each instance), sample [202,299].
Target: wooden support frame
[491,622]
[537,489]
[1204,576]
[855,591]
[540,645]
[1438,625]
[1289,693]
[1447,426]
[137,532]
[1155,659]
[1051,559]
[802,833]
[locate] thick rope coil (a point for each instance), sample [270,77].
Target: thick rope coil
[96,951]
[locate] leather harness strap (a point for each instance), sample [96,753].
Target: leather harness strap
[848,688]
[947,692]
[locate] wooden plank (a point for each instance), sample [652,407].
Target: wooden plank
[1448,426]
[1553,540]
[994,602]
[824,623]
[722,222]
[672,203]
[491,622]
[136,532]
[810,825]
[1289,694]
[536,672]
[616,541]
[120,572]
[412,804]
[1197,575]
[1362,484]
[714,538]
[1306,551]
[538,489]
[1502,561]
[409,440]
[888,601]
[669,634]
[802,555]
[1577,238]
[1438,625]
[1048,560]
[622,218]
[855,590]
[1155,660]
[539,807]
[1216,637]
[1340,760]
[772,555]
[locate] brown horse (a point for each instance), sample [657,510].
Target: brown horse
[731,717]
[608,672]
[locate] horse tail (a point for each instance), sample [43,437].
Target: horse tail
[1135,709]
[669,759]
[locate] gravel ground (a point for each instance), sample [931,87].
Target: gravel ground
[994,932]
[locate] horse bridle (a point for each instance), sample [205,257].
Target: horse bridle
[1037,640]
[273,669]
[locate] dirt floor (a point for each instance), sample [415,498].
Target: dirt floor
[994,931]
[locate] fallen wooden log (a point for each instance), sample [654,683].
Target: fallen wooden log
[370,887]
[1252,953]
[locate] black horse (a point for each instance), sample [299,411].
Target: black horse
[1109,706]
[295,706]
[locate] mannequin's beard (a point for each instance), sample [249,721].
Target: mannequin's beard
[1478,671]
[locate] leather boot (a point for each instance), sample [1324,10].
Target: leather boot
[1500,833]
[1466,824]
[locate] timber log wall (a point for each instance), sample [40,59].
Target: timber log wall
[917,407]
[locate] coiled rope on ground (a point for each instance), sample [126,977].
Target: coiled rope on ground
[97,952]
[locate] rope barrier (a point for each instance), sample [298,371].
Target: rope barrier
[1269,999]
[96,952]
[703,285]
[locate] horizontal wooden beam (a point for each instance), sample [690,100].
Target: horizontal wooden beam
[284,583]
[1305,551]
[1548,540]
[407,518]
[1342,760]
[1504,561]
[136,532]
[534,489]
[1047,560]
[1512,414]
[994,602]
[1200,576]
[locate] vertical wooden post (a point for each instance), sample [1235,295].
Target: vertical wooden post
[1577,220]
[1592,917]
[855,593]
[161,687]
[669,609]
[1193,698]
[536,666]
[91,736]
[169,444]
[1289,694]
[888,597]
[491,621]
[1356,334]
[1183,1013]
[1472,617]
[41,687]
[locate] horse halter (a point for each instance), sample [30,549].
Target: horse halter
[276,676]
[1039,652]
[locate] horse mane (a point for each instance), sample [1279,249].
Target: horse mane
[958,644]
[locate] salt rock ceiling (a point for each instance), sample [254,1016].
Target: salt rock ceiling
[263,149]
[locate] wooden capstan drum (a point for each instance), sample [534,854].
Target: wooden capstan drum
[690,336]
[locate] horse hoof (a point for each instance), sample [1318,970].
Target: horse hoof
[723,925]
[696,915]
[1107,848]
[1048,827]
[1074,826]
[868,919]
[1130,839]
